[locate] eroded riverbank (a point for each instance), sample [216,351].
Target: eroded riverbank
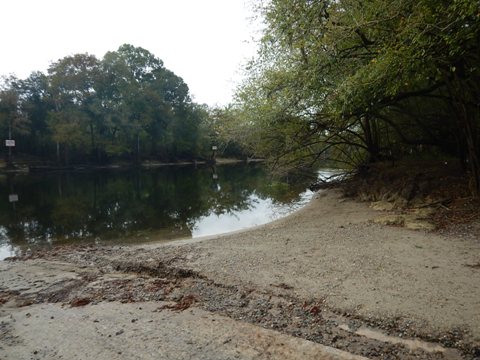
[326,274]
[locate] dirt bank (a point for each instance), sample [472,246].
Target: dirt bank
[325,277]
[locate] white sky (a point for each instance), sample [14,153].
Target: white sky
[203,41]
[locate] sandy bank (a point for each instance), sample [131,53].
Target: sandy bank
[332,250]
[321,275]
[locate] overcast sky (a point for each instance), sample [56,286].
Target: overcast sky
[203,41]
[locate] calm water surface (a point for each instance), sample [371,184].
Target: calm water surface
[139,206]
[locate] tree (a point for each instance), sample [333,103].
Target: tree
[12,121]
[72,86]
[368,80]
[125,106]
[36,104]
[133,79]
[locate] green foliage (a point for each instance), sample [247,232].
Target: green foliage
[12,120]
[124,106]
[364,81]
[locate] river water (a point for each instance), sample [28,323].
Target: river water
[140,206]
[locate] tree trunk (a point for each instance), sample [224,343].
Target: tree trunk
[65,153]
[371,140]
[138,149]
[472,153]
[58,153]
[468,119]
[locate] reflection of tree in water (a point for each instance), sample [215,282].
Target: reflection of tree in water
[238,184]
[108,205]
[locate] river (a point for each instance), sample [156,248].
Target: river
[125,206]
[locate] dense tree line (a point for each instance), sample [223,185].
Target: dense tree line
[125,106]
[364,81]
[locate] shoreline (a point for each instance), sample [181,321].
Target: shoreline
[33,167]
[327,261]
